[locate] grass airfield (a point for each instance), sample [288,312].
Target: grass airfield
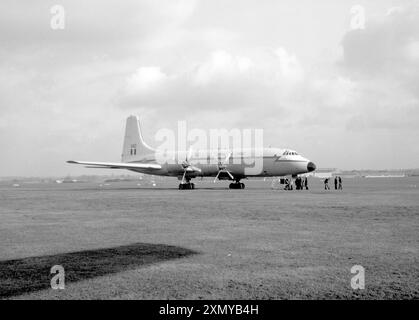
[124,241]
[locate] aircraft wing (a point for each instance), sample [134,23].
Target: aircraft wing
[117,165]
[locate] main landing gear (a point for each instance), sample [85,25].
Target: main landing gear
[236,185]
[186,186]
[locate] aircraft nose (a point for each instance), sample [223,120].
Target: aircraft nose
[311,166]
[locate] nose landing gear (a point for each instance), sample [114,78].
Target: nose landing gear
[186,186]
[236,185]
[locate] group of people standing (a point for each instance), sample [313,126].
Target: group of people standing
[301,183]
[338,183]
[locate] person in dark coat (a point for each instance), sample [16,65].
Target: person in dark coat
[326,184]
[336,182]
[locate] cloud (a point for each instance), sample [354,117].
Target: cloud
[223,81]
[383,61]
[145,79]
[412,51]
[93,28]
[289,66]
[388,46]
[65,94]
[220,67]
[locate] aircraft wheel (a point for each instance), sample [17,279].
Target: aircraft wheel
[186,186]
[242,185]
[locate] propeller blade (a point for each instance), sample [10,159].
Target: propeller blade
[231,176]
[216,177]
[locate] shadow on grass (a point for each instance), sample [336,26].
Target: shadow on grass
[33,273]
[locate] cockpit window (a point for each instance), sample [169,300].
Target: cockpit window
[291,153]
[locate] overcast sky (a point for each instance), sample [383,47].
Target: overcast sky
[343,97]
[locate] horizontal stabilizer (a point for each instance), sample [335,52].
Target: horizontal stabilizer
[117,165]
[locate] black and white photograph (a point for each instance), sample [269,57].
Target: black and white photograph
[209,155]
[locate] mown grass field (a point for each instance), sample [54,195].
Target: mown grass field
[124,241]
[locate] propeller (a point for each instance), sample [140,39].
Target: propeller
[186,165]
[222,167]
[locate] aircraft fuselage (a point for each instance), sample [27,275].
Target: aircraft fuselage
[267,162]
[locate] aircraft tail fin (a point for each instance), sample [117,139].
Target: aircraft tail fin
[134,147]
